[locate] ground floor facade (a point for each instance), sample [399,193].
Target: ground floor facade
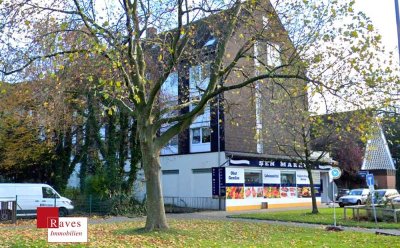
[239,184]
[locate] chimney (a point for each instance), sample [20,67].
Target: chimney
[151,32]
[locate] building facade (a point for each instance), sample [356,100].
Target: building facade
[230,154]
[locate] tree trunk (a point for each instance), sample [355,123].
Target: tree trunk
[156,219]
[313,197]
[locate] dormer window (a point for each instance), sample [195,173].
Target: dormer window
[210,42]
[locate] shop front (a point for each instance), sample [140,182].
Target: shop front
[256,184]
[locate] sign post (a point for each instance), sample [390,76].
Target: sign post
[334,173]
[371,183]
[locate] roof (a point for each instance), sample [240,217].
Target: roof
[237,155]
[377,155]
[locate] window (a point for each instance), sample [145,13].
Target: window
[169,89]
[172,146]
[206,135]
[199,78]
[49,193]
[201,135]
[196,137]
[200,139]
[170,172]
[201,171]
[288,178]
[265,22]
[211,41]
[273,55]
[252,178]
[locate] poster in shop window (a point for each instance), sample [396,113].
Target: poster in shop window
[235,192]
[271,181]
[234,178]
[253,192]
[303,185]
[288,192]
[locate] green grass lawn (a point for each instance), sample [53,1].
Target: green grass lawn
[325,216]
[201,233]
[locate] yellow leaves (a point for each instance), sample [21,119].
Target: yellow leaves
[354,34]
[370,27]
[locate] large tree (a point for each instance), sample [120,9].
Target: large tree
[328,55]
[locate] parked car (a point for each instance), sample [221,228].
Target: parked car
[396,200]
[29,196]
[355,197]
[381,195]
[342,192]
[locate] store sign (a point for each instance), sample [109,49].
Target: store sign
[271,164]
[218,181]
[271,177]
[302,177]
[234,176]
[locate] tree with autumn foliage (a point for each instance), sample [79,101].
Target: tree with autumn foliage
[331,51]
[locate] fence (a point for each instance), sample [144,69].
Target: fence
[176,204]
[366,213]
[25,205]
[119,205]
[8,210]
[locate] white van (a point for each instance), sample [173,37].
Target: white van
[32,195]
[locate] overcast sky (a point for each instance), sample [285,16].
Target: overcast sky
[382,14]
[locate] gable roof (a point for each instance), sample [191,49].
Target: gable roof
[377,155]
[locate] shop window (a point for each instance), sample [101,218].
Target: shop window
[253,178]
[288,178]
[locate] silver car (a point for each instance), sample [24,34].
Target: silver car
[355,197]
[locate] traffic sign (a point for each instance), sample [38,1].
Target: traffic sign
[335,173]
[370,180]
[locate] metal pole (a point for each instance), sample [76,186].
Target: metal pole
[373,206]
[396,6]
[219,153]
[333,198]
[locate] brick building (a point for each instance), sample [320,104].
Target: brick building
[235,130]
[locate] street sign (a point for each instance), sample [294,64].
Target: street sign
[334,173]
[370,180]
